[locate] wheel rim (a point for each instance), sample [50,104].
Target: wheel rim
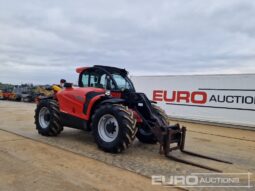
[108,128]
[44,117]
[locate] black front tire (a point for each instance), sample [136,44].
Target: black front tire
[126,127]
[144,134]
[54,126]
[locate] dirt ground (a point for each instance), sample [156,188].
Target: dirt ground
[29,165]
[72,161]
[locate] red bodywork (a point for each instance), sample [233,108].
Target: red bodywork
[81,69]
[71,101]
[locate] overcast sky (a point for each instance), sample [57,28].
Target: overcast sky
[43,41]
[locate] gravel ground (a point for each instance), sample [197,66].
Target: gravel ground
[234,145]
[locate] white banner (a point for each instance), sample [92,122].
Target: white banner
[228,99]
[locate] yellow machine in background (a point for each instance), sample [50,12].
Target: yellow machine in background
[1,95]
[42,91]
[30,94]
[56,88]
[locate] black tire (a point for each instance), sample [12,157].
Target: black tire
[144,134]
[53,120]
[161,113]
[18,98]
[126,127]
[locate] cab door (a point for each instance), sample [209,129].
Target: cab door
[96,78]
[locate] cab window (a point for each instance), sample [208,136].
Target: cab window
[85,80]
[122,82]
[95,79]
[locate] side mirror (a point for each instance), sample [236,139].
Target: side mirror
[68,85]
[108,83]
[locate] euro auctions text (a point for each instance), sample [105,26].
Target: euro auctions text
[200,97]
[226,180]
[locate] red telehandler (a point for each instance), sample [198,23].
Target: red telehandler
[107,104]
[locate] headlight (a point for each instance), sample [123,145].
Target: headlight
[107,92]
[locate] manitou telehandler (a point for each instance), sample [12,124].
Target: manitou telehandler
[107,104]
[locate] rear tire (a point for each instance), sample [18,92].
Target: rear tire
[114,127]
[47,118]
[144,134]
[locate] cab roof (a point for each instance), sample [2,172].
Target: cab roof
[107,68]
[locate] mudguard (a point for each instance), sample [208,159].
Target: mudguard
[113,101]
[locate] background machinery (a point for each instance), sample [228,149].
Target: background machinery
[1,95]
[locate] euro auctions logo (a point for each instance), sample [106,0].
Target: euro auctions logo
[235,99]
[204,180]
[196,97]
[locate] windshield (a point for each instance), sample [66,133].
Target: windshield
[123,83]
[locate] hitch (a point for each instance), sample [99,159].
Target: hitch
[176,135]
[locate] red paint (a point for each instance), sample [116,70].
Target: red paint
[137,116]
[81,69]
[196,97]
[71,101]
[183,96]
[157,95]
[116,94]
[169,99]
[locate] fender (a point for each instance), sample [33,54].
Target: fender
[44,98]
[120,101]
[98,100]
[91,97]
[113,101]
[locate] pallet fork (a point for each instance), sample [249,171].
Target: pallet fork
[176,135]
